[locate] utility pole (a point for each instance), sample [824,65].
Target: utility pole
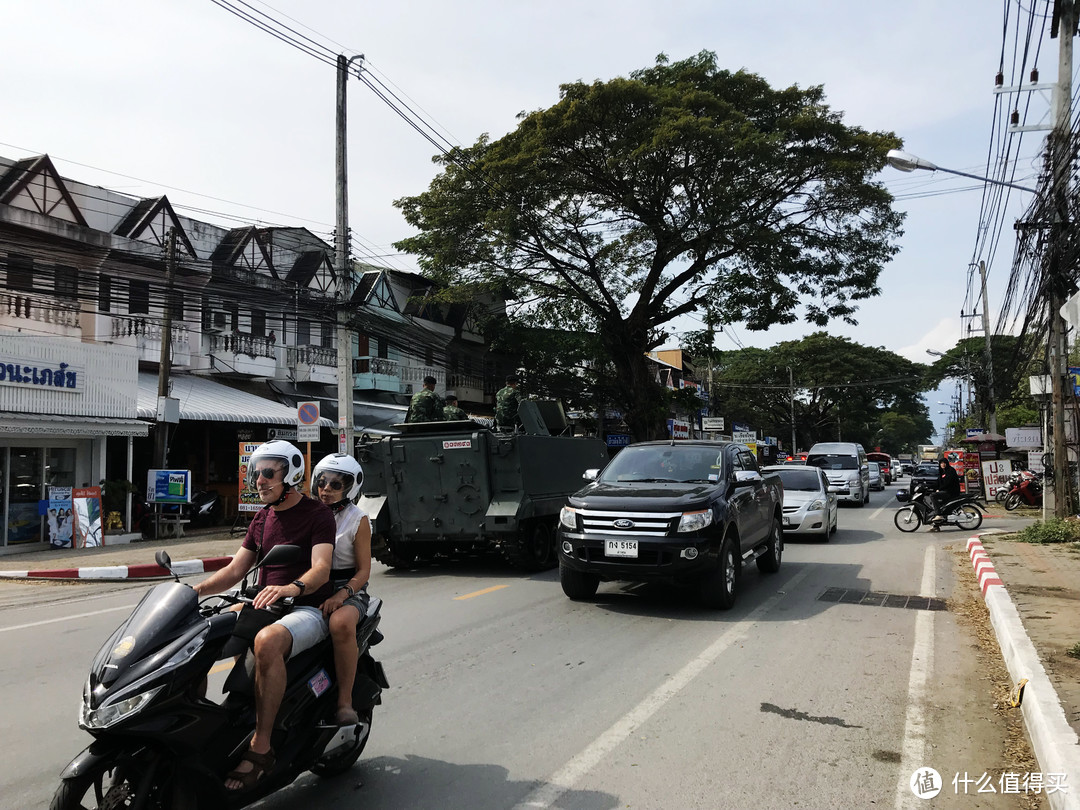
[991,407]
[1065,16]
[161,440]
[346,423]
[791,384]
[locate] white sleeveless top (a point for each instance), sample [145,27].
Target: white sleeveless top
[348,521]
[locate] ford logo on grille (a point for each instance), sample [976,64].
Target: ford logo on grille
[623,523]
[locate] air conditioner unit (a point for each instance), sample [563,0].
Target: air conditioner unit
[219,320]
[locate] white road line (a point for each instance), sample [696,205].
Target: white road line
[913,749]
[128,608]
[881,509]
[566,777]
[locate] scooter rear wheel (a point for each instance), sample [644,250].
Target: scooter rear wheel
[968,517]
[340,762]
[1013,501]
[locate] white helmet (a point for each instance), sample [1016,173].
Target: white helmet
[347,467]
[281,451]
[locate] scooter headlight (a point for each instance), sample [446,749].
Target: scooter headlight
[112,713]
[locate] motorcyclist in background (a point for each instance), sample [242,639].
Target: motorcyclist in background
[337,480]
[947,489]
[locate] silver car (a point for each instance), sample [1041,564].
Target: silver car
[877,482]
[809,506]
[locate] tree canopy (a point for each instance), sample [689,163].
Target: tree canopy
[681,190]
[842,390]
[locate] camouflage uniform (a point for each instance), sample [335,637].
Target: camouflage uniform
[506,407]
[425,406]
[452,413]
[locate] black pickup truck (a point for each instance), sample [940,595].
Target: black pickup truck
[684,512]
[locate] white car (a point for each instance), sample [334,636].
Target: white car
[877,481]
[809,507]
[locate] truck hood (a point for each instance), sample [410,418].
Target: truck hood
[643,497]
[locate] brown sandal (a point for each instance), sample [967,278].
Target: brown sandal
[260,765]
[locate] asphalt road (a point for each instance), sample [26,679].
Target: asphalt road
[505,694]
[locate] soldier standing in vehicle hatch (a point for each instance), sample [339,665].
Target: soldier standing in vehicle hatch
[452,413]
[506,405]
[426,405]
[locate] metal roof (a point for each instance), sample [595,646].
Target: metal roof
[205,400]
[19,424]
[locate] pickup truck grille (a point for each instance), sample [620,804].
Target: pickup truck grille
[641,524]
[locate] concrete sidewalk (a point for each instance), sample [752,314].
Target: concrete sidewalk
[195,553]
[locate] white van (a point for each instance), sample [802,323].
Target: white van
[846,467]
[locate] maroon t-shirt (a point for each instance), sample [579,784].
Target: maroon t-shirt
[307,524]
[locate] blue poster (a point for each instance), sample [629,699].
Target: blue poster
[168,486]
[59,517]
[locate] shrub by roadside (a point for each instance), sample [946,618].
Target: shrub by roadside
[1055,530]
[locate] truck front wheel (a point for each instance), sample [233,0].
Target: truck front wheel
[578,585]
[718,589]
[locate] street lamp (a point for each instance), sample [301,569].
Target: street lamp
[907,162]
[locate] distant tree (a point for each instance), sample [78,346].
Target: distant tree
[682,189]
[843,390]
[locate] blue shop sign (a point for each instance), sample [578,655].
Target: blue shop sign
[168,486]
[618,439]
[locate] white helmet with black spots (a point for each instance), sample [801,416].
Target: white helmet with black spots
[277,450]
[352,474]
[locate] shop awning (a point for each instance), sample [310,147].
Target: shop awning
[47,424]
[202,399]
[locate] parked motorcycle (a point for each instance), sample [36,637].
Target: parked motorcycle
[205,510]
[1025,490]
[964,512]
[160,743]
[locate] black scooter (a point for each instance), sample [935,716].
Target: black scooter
[965,512]
[160,743]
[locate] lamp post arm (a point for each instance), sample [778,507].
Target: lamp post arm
[985,179]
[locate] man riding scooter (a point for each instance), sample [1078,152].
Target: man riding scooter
[947,489]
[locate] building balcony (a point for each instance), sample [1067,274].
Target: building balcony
[39,314]
[316,364]
[412,378]
[243,354]
[376,374]
[144,332]
[468,387]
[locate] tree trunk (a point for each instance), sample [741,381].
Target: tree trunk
[641,397]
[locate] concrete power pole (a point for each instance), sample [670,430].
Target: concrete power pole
[1060,162]
[991,406]
[346,423]
[161,441]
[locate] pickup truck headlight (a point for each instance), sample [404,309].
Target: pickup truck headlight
[568,517]
[695,521]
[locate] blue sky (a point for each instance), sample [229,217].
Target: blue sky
[199,105]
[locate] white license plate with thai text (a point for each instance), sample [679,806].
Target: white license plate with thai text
[620,548]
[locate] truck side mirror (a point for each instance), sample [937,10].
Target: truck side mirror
[744,477]
[590,475]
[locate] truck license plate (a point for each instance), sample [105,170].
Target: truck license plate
[620,548]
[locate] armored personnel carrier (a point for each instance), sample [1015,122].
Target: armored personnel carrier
[447,487]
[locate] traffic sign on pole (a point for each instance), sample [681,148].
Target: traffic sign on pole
[307,421]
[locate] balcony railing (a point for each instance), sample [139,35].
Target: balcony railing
[310,356]
[251,345]
[44,310]
[148,328]
[376,365]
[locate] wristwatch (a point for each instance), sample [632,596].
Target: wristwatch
[349,591]
[299,583]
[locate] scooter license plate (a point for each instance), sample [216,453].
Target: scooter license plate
[620,548]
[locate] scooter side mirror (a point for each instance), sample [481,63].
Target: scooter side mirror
[278,555]
[162,559]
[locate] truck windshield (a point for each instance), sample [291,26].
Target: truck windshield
[830,461]
[664,464]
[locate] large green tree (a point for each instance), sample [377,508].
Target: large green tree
[682,189]
[841,390]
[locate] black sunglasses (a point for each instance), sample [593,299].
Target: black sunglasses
[266,472]
[323,483]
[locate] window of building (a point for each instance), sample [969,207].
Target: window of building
[138,297]
[382,345]
[258,323]
[327,335]
[176,304]
[20,272]
[303,333]
[104,294]
[234,317]
[66,282]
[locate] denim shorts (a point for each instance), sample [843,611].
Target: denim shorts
[358,601]
[308,627]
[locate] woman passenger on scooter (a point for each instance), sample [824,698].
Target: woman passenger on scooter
[948,488]
[337,480]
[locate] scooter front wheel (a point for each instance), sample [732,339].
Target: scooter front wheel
[907,519]
[1013,501]
[110,783]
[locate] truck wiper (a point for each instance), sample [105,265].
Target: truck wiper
[651,481]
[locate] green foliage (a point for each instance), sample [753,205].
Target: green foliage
[859,393]
[681,189]
[113,494]
[1074,651]
[1055,530]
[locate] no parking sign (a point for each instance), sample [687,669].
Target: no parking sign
[307,421]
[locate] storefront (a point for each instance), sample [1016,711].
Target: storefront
[59,401]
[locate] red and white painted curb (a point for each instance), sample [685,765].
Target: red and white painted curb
[1056,745]
[145,571]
